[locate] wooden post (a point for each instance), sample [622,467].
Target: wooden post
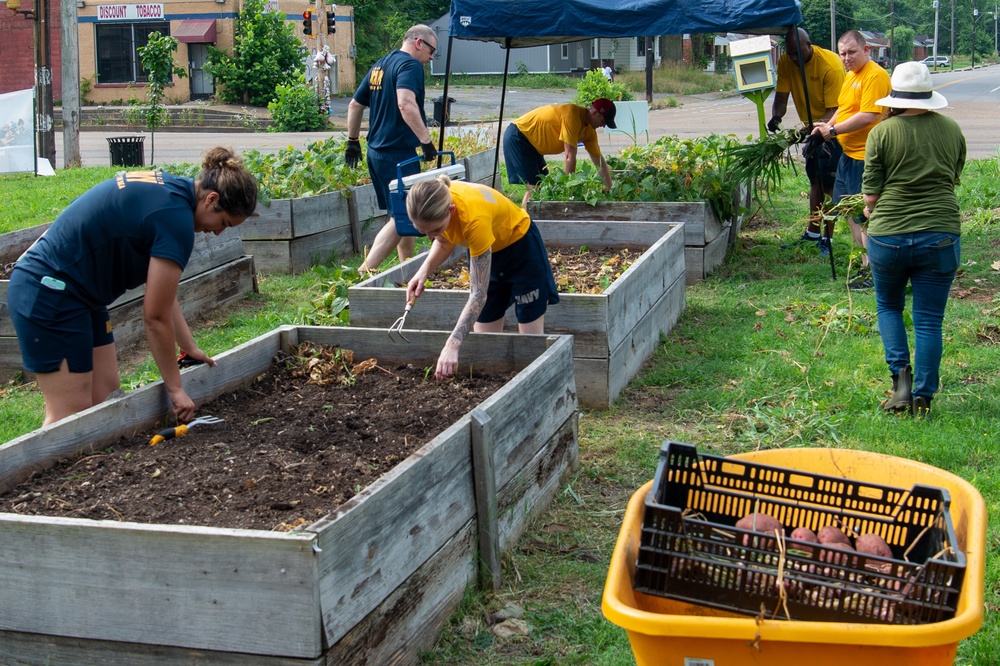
[485,483]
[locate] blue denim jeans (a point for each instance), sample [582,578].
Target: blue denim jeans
[927,260]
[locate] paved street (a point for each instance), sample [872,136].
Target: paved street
[973,101]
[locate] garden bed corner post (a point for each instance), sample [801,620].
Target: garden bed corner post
[484,480]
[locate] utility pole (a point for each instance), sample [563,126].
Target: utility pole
[936,7]
[70,84]
[952,35]
[45,140]
[975,20]
[833,26]
[892,31]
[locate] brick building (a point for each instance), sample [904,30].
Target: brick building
[111,33]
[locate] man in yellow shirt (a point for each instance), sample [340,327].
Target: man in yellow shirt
[857,112]
[554,129]
[824,74]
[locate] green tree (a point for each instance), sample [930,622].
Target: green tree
[380,26]
[158,63]
[266,54]
[902,43]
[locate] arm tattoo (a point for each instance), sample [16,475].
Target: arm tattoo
[479,279]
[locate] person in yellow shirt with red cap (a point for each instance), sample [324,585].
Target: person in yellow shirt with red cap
[508,264]
[554,129]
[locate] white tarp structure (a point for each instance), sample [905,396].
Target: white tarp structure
[17,131]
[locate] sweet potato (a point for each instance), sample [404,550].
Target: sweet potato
[872,544]
[760,522]
[805,534]
[830,535]
[802,534]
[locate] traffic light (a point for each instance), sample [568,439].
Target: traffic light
[307,22]
[331,23]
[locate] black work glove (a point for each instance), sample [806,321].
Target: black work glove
[813,143]
[773,124]
[430,152]
[352,154]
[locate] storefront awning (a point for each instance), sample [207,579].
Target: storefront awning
[195,31]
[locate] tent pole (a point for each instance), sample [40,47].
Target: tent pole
[503,97]
[445,107]
[809,116]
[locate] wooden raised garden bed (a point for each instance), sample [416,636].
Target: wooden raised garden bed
[706,237]
[370,583]
[218,273]
[291,235]
[614,331]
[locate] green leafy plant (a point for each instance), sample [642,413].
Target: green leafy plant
[669,169]
[266,54]
[295,108]
[594,85]
[158,62]
[330,309]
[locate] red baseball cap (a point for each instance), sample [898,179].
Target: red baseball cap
[607,109]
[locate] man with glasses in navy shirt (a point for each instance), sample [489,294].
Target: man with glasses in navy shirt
[393,93]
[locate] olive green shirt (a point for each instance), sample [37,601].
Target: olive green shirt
[913,163]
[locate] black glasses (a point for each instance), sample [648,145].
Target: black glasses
[432,48]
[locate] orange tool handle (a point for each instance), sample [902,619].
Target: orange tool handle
[169,433]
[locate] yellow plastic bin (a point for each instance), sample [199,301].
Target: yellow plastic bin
[665,632]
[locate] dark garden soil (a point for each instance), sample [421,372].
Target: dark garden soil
[576,270]
[303,438]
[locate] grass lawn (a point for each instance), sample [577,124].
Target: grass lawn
[770,353]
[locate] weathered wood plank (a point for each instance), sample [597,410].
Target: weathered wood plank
[209,252]
[273,220]
[601,233]
[485,485]
[197,295]
[424,500]
[418,507]
[592,378]
[137,410]
[307,251]
[28,649]
[529,491]
[700,222]
[715,252]
[694,262]
[408,620]
[629,300]
[640,342]
[420,517]
[322,212]
[192,587]
[518,415]
[14,243]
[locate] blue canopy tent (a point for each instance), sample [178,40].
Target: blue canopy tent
[516,23]
[520,23]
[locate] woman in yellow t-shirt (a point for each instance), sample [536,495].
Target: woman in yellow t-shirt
[508,264]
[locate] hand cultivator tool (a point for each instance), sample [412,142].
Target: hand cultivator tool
[397,325]
[182,429]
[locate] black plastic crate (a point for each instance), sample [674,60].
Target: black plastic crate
[691,550]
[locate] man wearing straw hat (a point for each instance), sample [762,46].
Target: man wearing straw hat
[913,161]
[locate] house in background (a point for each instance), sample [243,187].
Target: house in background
[623,54]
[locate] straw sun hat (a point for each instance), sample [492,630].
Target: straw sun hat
[912,88]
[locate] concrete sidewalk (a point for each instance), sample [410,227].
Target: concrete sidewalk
[695,115]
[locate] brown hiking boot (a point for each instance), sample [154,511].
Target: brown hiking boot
[921,407]
[901,386]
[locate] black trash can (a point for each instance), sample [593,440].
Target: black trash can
[127,150]
[442,112]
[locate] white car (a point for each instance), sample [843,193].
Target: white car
[942,61]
